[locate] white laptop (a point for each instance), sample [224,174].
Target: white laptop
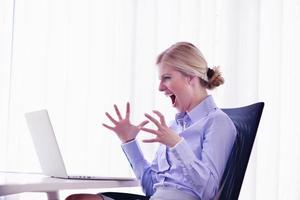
[47,148]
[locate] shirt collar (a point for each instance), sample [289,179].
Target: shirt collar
[198,112]
[182,119]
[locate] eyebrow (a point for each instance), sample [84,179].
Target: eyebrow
[163,75]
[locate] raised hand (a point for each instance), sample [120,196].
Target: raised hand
[164,134]
[123,127]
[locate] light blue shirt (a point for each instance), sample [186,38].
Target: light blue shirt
[194,165]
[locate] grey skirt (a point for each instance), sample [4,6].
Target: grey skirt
[169,193]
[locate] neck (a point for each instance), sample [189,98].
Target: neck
[198,98]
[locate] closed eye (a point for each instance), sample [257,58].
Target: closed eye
[166,78]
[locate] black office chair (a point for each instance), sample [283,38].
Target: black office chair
[246,120]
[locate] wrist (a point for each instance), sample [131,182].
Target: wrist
[175,141]
[124,141]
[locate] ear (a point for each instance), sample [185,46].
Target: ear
[192,80]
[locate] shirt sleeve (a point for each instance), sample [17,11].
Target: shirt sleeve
[204,171]
[143,170]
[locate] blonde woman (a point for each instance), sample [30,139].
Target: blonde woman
[195,147]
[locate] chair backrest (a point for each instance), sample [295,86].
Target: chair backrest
[246,120]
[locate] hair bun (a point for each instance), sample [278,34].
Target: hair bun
[210,72]
[215,78]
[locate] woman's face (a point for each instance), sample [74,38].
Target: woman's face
[176,86]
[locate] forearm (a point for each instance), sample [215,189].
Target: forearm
[135,157]
[140,166]
[199,175]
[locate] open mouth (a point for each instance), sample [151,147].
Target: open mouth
[173,99]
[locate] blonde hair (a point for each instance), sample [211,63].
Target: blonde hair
[189,60]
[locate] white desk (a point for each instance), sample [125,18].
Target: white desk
[13,183]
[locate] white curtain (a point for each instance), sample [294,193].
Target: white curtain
[77,58]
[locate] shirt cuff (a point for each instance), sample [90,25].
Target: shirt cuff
[183,152]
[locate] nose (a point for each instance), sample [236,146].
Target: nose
[161,86]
